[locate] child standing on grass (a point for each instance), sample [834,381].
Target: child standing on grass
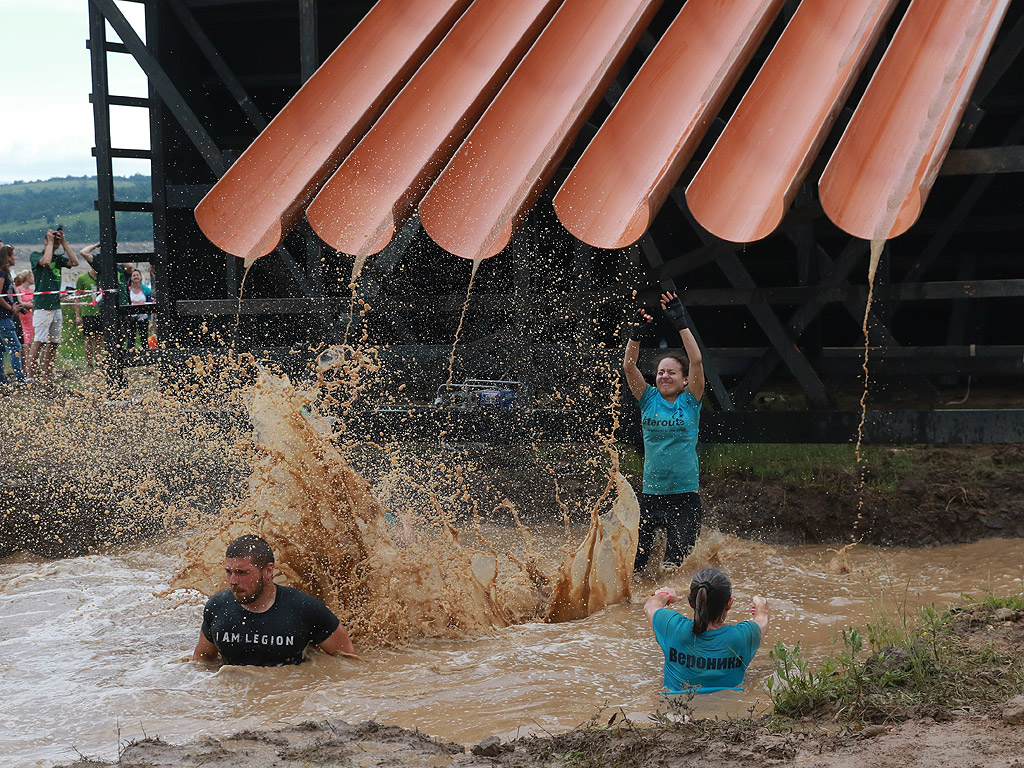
[705,655]
[24,285]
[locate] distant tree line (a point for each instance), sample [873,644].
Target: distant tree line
[28,208]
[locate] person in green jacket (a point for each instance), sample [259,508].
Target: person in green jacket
[87,308]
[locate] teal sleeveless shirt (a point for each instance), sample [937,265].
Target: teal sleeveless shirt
[670,442]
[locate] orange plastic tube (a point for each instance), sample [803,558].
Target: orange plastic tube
[379,184]
[751,175]
[622,179]
[473,207]
[879,177]
[262,195]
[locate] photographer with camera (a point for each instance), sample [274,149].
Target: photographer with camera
[10,307]
[46,316]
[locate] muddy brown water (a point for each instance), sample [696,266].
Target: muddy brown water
[90,656]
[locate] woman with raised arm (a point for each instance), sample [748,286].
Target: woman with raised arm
[670,417]
[705,654]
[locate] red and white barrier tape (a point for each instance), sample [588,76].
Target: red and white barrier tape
[65,292]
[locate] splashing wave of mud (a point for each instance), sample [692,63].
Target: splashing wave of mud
[332,538]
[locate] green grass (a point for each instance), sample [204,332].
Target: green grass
[892,669]
[994,603]
[813,465]
[71,352]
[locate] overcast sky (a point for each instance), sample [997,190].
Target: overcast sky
[46,128]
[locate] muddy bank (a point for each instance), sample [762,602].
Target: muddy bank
[912,496]
[965,739]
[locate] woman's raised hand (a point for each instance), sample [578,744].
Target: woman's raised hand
[640,323]
[672,306]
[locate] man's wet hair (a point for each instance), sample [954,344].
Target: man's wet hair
[253,547]
[710,591]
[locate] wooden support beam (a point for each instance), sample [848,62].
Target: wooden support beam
[786,347]
[961,162]
[227,77]
[107,258]
[692,260]
[162,84]
[334,305]
[952,222]
[854,294]
[300,277]
[759,373]
[817,395]
[999,62]
[384,263]
[309,41]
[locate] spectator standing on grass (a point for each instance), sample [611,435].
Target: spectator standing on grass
[705,654]
[10,306]
[139,294]
[46,313]
[87,308]
[24,285]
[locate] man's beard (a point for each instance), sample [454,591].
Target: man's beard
[254,596]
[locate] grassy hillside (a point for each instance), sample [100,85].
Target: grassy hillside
[28,208]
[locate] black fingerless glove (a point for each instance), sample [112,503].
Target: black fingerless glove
[676,313]
[638,327]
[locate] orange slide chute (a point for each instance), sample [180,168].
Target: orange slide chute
[473,207]
[262,195]
[379,184]
[620,183]
[752,174]
[879,177]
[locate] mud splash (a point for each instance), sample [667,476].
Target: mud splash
[391,583]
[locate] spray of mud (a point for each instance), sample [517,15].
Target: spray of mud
[390,583]
[462,319]
[353,285]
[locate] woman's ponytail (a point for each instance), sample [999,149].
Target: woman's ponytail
[700,611]
[710,592]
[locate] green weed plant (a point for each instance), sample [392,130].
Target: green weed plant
[895,668]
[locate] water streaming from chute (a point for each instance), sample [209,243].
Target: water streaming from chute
[877,248]
[462,319]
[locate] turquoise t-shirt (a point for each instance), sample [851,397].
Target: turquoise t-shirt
[713,661]
[670,442]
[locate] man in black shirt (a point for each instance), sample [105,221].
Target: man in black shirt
[260,623]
